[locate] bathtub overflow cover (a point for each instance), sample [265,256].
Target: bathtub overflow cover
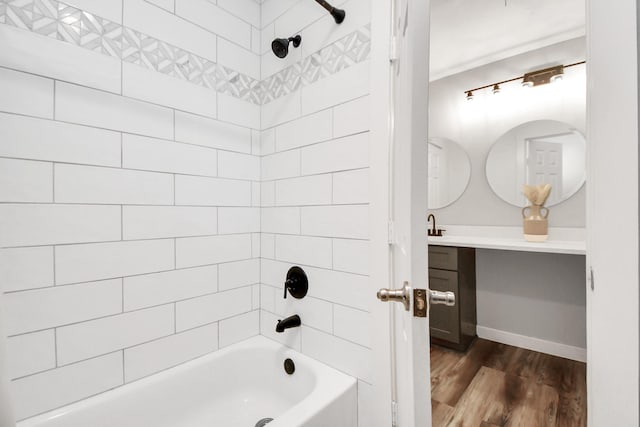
[289,366]
[263,422]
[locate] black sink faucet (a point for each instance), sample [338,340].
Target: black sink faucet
[289,322]
[434,231]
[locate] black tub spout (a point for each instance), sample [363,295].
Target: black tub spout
[289,322]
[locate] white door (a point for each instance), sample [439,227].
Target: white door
[399,207]
[612,214]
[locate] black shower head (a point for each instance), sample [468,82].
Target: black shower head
[281,46]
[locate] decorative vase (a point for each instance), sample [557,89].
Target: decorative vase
[535,223]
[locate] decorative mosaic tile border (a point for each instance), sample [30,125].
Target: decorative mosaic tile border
[348,51]
[55,19]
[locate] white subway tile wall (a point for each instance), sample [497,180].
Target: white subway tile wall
[125,193]
[160,171]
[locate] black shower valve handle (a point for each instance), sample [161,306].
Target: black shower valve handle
[288,284]
[296,283]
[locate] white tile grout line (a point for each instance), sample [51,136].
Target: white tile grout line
[146,308]
[150,171]
[91,281]
[156,205]
[198,236]
[182,18]
[206,117]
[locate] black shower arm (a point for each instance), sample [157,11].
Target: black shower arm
[326,5]
[338,14]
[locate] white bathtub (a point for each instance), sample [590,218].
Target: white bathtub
[237,386]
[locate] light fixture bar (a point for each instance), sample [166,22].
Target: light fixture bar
[544,72]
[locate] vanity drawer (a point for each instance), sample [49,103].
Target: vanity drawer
[443,257]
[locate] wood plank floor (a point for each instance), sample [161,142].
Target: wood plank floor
[495,384]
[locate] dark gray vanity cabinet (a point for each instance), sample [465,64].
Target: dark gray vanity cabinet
[453,269]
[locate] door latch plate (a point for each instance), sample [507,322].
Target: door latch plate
[419,303]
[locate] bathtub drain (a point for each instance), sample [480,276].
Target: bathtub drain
[263,422]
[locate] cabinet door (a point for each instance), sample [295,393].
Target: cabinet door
[444,321]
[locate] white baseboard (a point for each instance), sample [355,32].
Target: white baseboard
[535,344]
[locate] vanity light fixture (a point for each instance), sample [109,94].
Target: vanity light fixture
[533,78]
[543,77]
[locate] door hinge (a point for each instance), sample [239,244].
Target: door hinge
[391,237]
[591,279]
[394,413]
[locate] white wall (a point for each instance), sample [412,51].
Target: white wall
[477,124]
[130,188]
[537,298]
[315,192]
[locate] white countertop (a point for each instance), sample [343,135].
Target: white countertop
[560,241]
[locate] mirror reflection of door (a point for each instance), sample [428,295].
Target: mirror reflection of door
[537,152]
[437,180]
[449,172]
[544,164]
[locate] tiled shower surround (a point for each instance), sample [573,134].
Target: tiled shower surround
[161,169]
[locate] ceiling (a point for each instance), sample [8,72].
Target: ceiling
[466,34]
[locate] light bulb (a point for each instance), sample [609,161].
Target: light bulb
[556,78]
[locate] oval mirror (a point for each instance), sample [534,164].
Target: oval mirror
[537,152]
[449,172]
